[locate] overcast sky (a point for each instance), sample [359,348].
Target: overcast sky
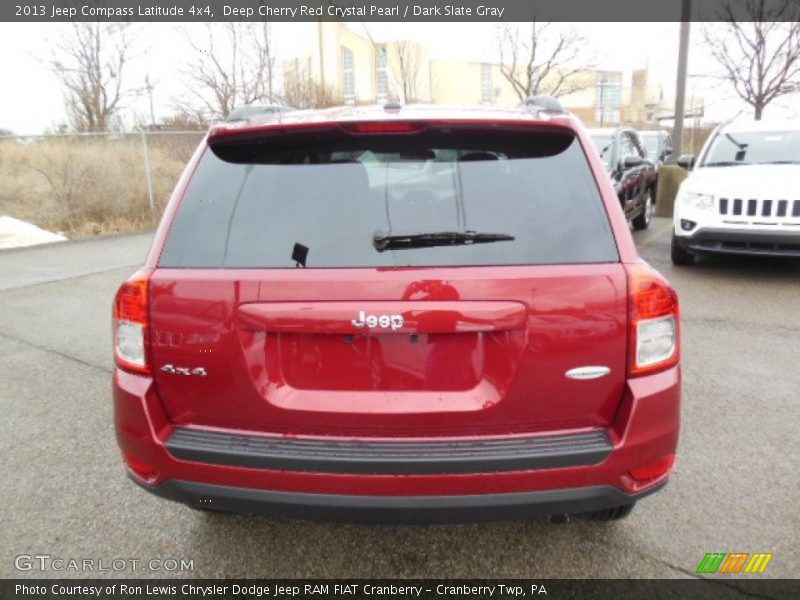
[31,100]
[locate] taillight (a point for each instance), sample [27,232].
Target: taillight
[654,318]
[131,323]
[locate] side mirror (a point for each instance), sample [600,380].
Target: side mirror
[667,153]
[686,161]
[631,161]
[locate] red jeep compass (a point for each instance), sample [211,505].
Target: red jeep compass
[398,314]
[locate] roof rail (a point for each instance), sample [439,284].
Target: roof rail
[543,103]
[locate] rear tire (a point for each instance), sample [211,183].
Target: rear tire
[614,513]
[680,257]
[643,220]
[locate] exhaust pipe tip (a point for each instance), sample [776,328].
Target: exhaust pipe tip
[560,519]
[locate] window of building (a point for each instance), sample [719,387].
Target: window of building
[609,98]
[348,76]
[381,74]
[487,90]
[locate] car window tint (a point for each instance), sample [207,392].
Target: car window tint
[628,149]
[330,195]
[638,146]
[651,145]
[754,147]
[605,147]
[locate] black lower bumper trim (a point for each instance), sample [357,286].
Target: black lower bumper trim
[396,509]
[390,457]
[727,241]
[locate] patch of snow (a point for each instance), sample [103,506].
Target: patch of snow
[15,233]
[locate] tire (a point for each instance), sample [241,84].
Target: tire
[643,220]
[680,257]
[611,514]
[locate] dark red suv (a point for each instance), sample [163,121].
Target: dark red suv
[398,314]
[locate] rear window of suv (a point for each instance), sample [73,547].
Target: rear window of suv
[320,199]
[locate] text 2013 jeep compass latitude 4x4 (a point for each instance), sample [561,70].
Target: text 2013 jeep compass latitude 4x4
[405,314]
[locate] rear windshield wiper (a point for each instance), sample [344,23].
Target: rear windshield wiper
[724,163]
[384,241]
[780,162]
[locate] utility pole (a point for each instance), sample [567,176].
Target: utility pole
[680,85]
[602,87]
[321,54]
[149,87]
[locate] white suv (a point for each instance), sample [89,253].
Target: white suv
[743,195]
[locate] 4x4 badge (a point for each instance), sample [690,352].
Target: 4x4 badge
[199,371]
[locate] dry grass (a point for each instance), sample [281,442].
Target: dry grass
[85,186]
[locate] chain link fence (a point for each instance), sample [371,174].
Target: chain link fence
[89,184]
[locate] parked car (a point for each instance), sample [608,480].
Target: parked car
[657,145]
[743,193]
[632,174]
[415,314]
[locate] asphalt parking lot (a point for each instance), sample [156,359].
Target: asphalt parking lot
[63,491]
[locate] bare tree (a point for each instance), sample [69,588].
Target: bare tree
[239,70]
[91,61]
[184,121]
[407,70]
[301,90]
[759,57]
[536,60]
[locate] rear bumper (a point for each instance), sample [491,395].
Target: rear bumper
[374,457]
[396,509]
[742,241]
[443,480]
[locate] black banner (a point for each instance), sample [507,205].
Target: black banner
[716,588]
[392,10]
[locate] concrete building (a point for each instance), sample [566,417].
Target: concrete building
[356,69]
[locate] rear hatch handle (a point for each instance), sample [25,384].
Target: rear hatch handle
[351,317]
